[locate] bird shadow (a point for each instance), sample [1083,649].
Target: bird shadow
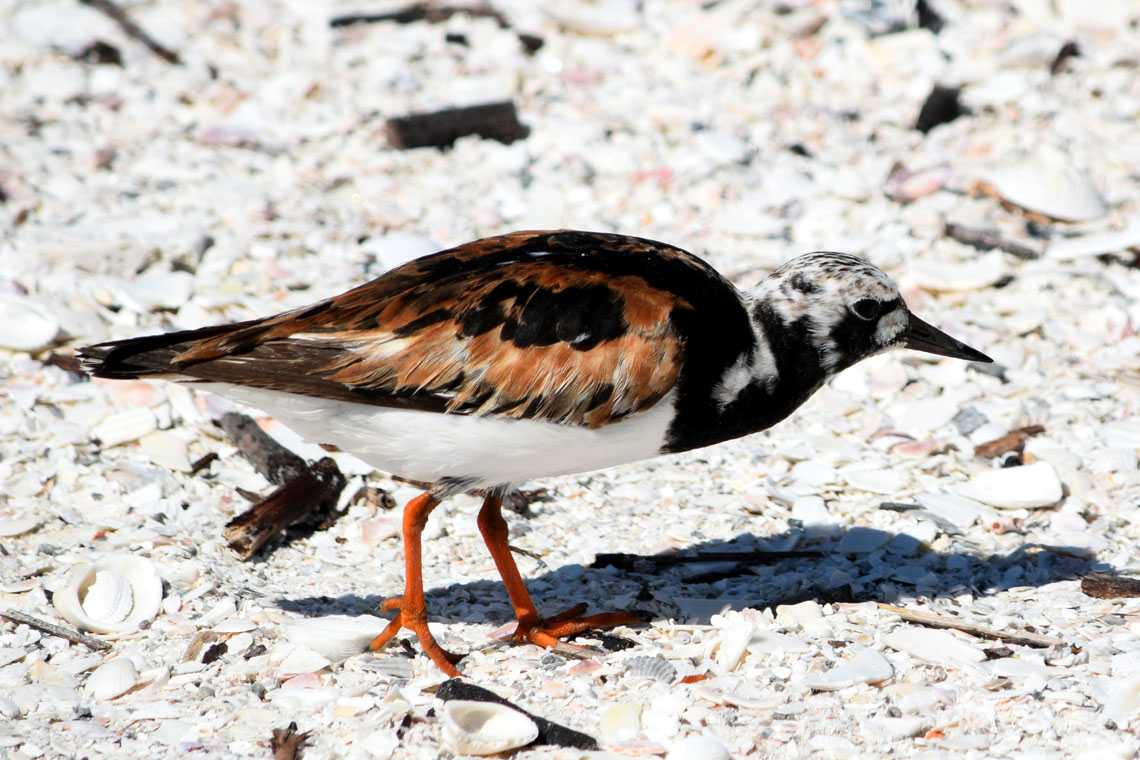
[827,565]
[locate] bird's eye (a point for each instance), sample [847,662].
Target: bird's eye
[867,308]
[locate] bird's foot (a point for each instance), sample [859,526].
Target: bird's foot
[415,620]
[546,632]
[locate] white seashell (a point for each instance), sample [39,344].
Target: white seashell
[898,728]
[235,625]
[109,597]
[116,594]
[957,510]
[938,647]
[733,644]
[868,666]
[703,747]
[1096,243]
[24,324]
[336,637]
[112,679]
[302,660]
[19,526]
[8,708]
[619,722]
[938,276]
[1026,487]
[657,668]
[600,19]
[485,728]
[1049,184]
[166,450]
[124,427]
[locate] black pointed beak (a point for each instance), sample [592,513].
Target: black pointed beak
[923,336]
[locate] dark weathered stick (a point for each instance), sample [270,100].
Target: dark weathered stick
[132,29]
[985,240]
[70,634]
[944,621]
[433,14]
[1106,586]
[276,463]
[315,488]
[440,129]
[1014,440]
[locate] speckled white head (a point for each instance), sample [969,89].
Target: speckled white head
[848,309]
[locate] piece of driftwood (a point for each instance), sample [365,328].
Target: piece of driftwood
[985,240]
[941,106]
[286,742]
[131,29]
[1023,638]
[1107,586]
[548,731]
[440,129]
[315,489]
[70,634]
[433,14]
[276,463]
[1014,440]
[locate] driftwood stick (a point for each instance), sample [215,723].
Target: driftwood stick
[131,29]
[276,463]
[984,240]
[433,14]
[314,489]
[944,621]
[70,634]
[440,129]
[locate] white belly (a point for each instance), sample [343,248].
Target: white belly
[430,447]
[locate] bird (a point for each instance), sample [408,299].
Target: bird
[533,354]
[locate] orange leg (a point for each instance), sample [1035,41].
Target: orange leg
[413,610]
[532,628]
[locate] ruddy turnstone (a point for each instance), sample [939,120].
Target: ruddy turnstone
[535,354]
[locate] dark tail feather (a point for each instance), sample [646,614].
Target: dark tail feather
[148,356]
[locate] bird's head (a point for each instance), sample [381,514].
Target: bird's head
[848,309]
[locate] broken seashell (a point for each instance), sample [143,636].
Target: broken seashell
[1048,184]
[485,728]
[336,637]
[701,747]
[112,679]
[124,427]
[18,526]
[1026,487]
[24,324]
[905,186]
[115,594]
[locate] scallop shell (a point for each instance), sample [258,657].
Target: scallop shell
[1049,184]
[111,679]
[336,637]
[485,728]
[657,668]
[115,594]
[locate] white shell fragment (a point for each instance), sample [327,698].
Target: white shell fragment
[336,637]
[1049,184]
[125,427]
[1026,487]
[485,728]
[113,595]
[1095,244]
[24,324]
[703,747]
[112,679]
[19,526]
[868,666]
